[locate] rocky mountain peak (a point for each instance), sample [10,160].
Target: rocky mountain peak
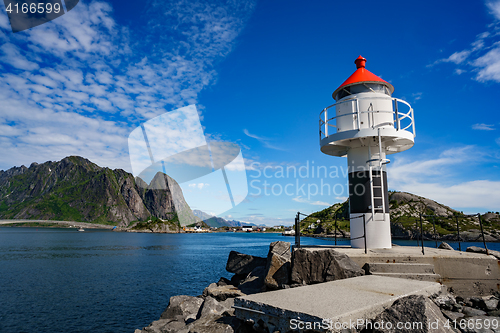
[76,189]
[413,205]
[405,210]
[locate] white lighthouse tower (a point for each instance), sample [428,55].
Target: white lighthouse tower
[366,124]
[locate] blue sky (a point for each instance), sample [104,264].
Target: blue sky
[259,73]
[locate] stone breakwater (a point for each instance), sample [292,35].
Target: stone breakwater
[213,312]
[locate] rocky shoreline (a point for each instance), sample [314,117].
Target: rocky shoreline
[213,312]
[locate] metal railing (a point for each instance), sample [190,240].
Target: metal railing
[434,235]
[325,122]
[297,230]
[420,228]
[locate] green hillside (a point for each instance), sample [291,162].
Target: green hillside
[75,189]
[405,209]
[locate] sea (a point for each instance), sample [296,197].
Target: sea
[62,280]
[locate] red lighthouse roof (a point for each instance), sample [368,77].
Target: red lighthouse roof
[362,75]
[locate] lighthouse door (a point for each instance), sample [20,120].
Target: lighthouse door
[347,118]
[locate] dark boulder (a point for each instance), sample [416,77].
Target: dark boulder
[477,249]
[213,324]
[416,311]
[278,269]
[239,263]
[165,326]
[182,308]
[446,301]
[212,307]
[223,282]
[452,315]
[489,303]
[237,278]
[445,246]
[254,282]
[471,312]
[310,267]
[221,293]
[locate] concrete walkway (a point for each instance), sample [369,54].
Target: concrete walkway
[341,301]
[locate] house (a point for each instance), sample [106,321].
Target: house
[197,228]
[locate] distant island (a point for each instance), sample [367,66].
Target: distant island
[75,189]
[405,209]
[217,222]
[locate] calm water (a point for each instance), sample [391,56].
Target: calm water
[62,280]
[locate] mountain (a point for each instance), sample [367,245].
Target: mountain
[210,220]
[217,222]
[234,223]
[75,189]
[202,215]
[405,209]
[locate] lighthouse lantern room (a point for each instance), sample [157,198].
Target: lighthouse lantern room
[366,124]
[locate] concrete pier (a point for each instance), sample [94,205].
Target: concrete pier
[338,302]
[468,274]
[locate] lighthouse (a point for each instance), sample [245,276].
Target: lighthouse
[366,124]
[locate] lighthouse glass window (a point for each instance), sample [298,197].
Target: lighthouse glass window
[369,87]
[363,88]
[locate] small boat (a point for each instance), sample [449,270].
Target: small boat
[81,229]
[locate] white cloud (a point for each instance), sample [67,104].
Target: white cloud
[483,55]
[458,57]
[6,130]
[4,21]
[484,127]
[264,141]
[478,194]
[494,7]
[498,141]
[416,96]
[435,178]
[12,56]
[403,169]
[315,203]
[199,185]
[90,81]
[489,65]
